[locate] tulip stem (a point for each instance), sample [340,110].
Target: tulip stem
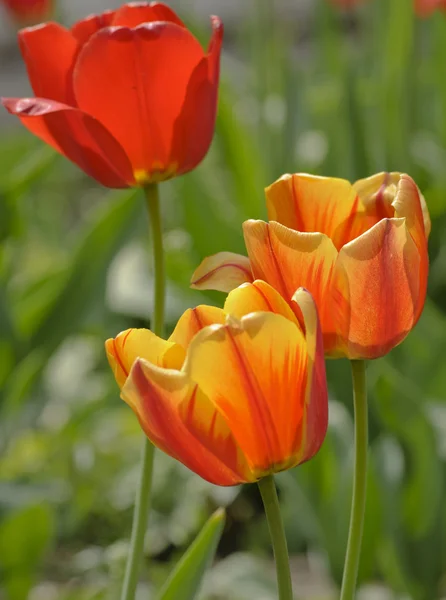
[359,482]
[272,510]
[143,494]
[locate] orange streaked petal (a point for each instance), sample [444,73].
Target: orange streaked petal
[258,296]
[288,259]
[193,320]
[309,203]
[223,272]
[134,81]
[315,421]
[125,348]
[410,204]
[254,371]
[165,403]
[377,193]
[381,274]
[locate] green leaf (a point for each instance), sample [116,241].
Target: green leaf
[185,580]
[24,538]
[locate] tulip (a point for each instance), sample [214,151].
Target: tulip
[28,12]
[361,250]
[129,96]
[234,394]
[424,8]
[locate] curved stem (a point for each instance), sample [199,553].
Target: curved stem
[142,502]
[272,510]
[359,482]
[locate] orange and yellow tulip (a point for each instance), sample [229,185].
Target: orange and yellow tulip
[361,250]
[234,394]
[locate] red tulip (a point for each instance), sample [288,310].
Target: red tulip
[424,8]
[129,96]
[28,12]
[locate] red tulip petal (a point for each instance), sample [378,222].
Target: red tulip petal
[214,48]
[179,419]
[29,13]
[424,8]
[381,270]
[76,135]
[137,13]
[84,29]
[194,127]
[134,82]
[49,52]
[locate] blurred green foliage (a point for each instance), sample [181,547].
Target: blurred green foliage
[331,93]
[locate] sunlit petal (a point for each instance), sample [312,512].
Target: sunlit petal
[254,371]
[256,297]
[381,273]
[193,320]
[181,421]
[125,348]
[288,259]
[222,272]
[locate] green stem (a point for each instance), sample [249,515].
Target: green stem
[272,510]
[359,482]
[142,502]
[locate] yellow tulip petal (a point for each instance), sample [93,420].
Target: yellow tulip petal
[258,296]
[125,348]
[309,203]
[222,272]
[377,193]
[288,259]
[315,420]
[381,272]
[193,320]
[254,371]
[410,204]
[178,418]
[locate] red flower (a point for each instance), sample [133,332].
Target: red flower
[424,8]
[28,12]
[129,96]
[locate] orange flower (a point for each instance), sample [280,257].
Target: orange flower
[234,394]
[129,96]
[28,12]
[361,250]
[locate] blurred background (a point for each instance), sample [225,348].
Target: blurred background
[305,87]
